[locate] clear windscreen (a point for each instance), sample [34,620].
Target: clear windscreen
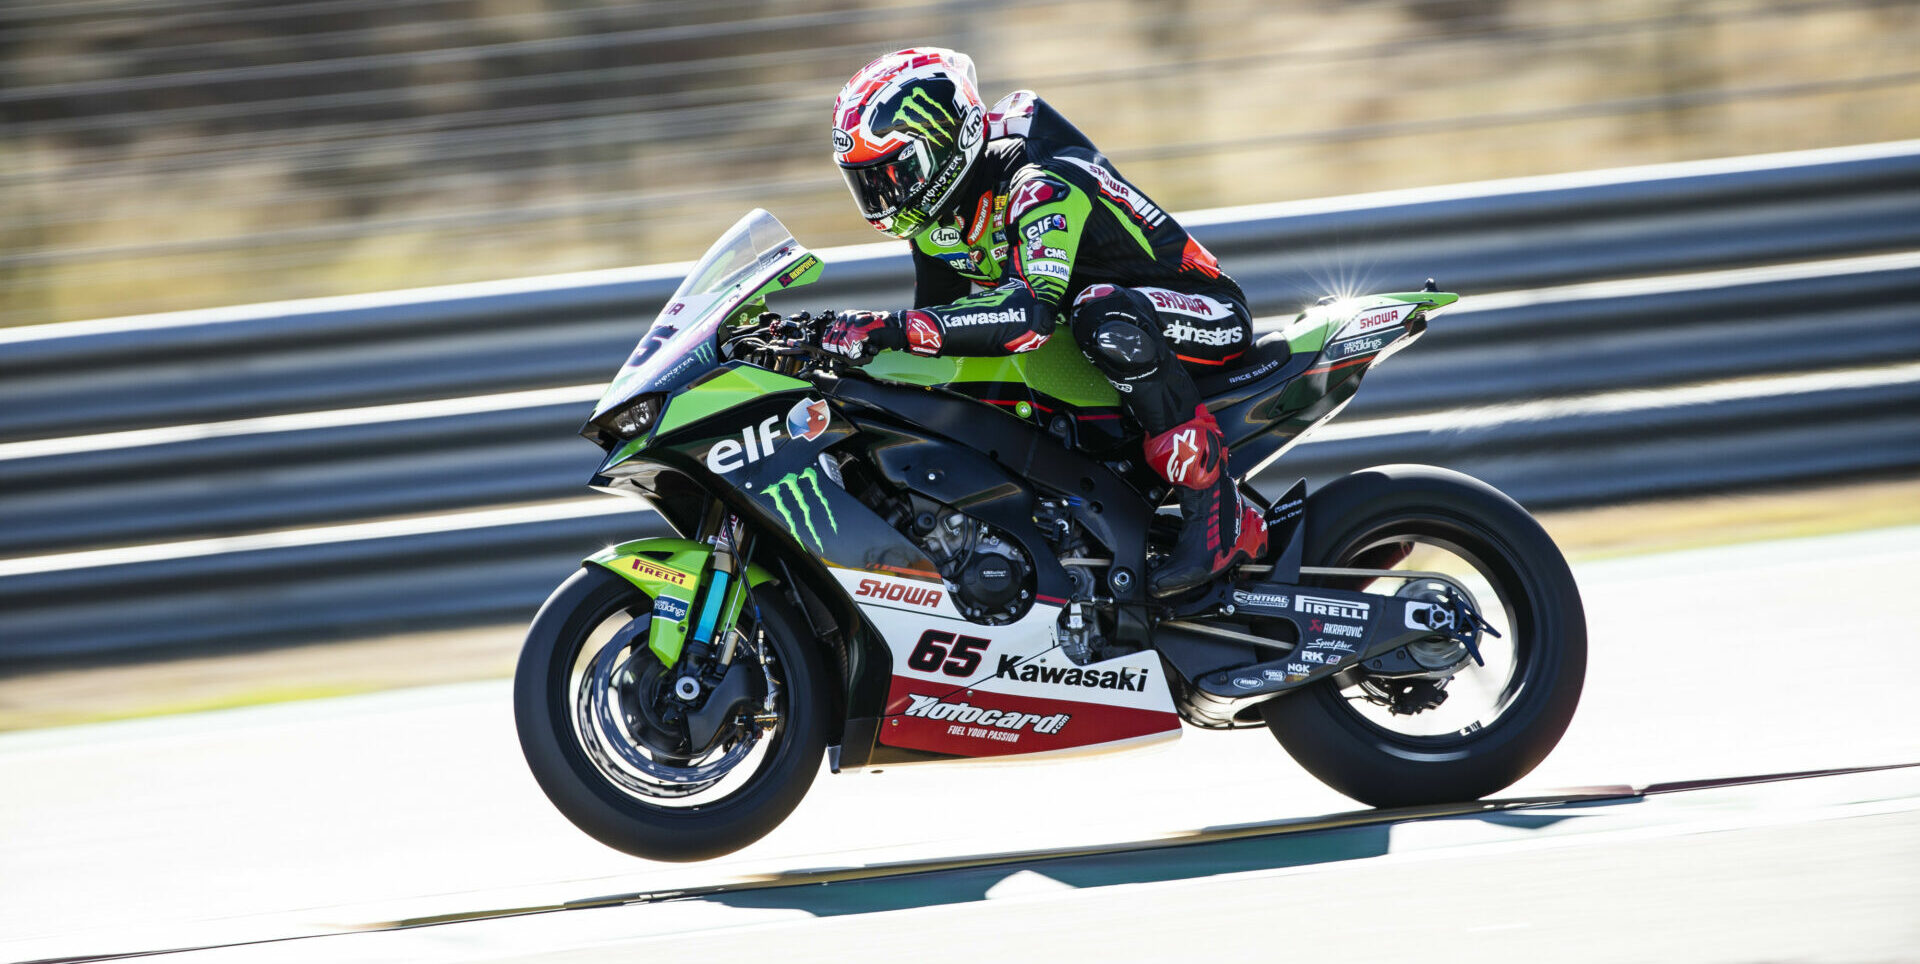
[681,344]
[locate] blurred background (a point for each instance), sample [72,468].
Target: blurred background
[400,472]
[167,154]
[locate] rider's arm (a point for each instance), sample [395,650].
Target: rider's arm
[934,283]
[1045,218]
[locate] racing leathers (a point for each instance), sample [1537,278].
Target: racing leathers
[1047,226]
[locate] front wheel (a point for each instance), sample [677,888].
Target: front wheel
[597,724]
[1401,742]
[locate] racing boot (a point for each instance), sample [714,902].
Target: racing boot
[1219,527]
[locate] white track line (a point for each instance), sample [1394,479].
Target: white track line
[349,532]
[863,252]
[1452,420]
[437,408]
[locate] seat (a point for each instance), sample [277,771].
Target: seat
[1259,372]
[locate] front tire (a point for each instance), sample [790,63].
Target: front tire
[1373,518]
[547,684]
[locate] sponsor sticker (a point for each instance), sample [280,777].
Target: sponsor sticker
[1374,320]
[1049,269]
[945,236]
[1310,656]
[1249,682]
[1185,333]
[670,609]
[842,141]
[1265,600]
[807,419]
[660,573]
[1337,608]
[1298,669]
[1032,672]
[900,592]
[1336,629]
[1365,344]
[935,708]
[1331,645]
[1009,316]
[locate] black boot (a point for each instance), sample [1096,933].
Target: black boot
[1219,529]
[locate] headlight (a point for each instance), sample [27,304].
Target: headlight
[626,423]
[631,422]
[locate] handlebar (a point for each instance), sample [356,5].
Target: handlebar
[795,337]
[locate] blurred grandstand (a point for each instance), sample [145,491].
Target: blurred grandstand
[163,154]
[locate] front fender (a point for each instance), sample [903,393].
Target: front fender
[672,572]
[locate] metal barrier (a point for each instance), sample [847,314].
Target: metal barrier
[1572,378]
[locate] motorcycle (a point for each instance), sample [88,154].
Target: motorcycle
[906,559]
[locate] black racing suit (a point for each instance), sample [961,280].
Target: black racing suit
[1046,224]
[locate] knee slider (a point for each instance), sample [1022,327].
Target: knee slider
[1112,333]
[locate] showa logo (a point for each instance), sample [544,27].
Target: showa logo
[806,421]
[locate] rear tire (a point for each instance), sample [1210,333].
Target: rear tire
[1359,513]
[543,709]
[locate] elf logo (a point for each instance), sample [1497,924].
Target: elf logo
[806,420]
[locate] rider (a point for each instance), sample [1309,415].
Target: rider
[1018,201]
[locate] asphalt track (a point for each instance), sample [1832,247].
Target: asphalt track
[403,826]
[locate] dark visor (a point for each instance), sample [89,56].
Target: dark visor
[883,187]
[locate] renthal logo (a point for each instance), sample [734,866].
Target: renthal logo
[934,708]
[1337,608]
[1126,679]
[661,573]
[1266,599]
[899,592]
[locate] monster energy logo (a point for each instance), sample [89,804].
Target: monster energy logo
[790,485]
[917,113]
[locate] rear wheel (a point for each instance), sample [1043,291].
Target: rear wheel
[588,703]
[1476,728]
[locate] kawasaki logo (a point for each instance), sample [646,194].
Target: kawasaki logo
[1337,608]
[795,486]
[934,708]
[1126,679]
[924,115]
[1010,316]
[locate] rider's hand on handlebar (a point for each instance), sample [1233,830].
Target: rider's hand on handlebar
[857,334]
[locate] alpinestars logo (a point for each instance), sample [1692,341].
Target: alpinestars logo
[795,486]
[934,708]
[923,114]
[1337,608]
[1125,679]
[1185,452]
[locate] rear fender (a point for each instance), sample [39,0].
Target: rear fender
[672,572]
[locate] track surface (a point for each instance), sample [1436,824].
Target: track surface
[328,817]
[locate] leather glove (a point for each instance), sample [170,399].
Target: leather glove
[858,333]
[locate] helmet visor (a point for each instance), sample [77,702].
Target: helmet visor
[883,187]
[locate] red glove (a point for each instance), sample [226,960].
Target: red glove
[858,333]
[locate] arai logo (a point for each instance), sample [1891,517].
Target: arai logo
[842,141]
[945,237]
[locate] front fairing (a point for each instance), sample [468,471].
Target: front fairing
[730,282]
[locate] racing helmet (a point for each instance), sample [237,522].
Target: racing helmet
[907,129]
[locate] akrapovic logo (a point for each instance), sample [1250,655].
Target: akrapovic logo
[934,708]
[1126,679]
[1337,608]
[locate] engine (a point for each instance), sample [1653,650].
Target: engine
[989,574]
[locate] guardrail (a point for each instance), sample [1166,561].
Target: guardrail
[1568,376]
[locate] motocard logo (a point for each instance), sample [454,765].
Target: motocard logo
[1125,679]
[899,592]
[934,708]
[1338,609]
[1374,320]
[1264,600]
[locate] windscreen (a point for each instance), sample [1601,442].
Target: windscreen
[680,345]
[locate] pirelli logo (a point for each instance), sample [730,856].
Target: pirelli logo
[653,570]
